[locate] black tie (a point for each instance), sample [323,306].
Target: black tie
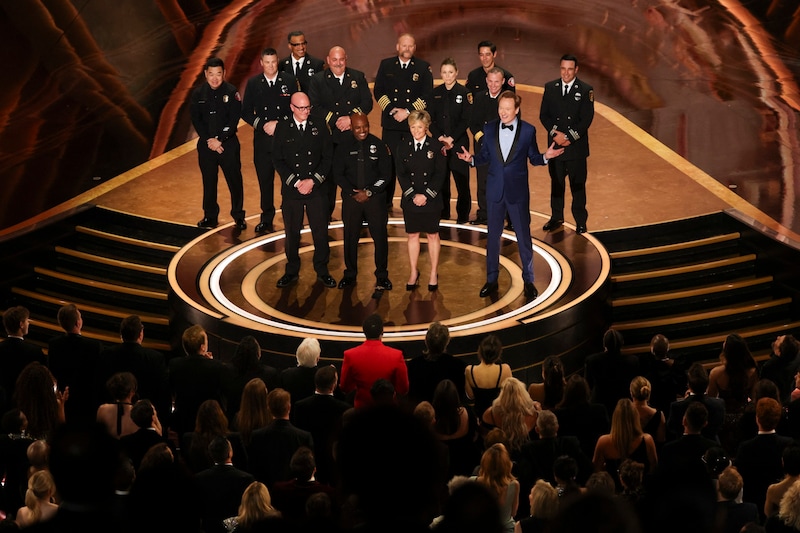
[301,128]
[419,147]
[272,84]
[507,126]
[405,65]
[361,179]
[566,89]
[297,68]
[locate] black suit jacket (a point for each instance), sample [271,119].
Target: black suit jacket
[759,462]
[321,415]
[15,354]
[72,358]
[194,379]
[271,449]
[332,100]
[220,489]
[147,365]
[571,114]
[685,455]
[609,377]
[136,444]
[299,381]
[537,458]
[716,416]
[308,68]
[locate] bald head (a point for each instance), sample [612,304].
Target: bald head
[337,60]
[301,106]
[406,46]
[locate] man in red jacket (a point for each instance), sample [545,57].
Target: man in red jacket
[373,360]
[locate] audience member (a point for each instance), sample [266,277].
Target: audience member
[253,412]
[514,412]
[482,381]
[543,499]
[551,391]
[291,496]
[210,423]
[271,447]
[116,416]
[734,514]
[370,361]
[426,371]
[382,392]
[631,478]
[321,415]
[747,427]
[194,378]
[684,455]
[666,375]
[580,418]
[299,380]
[38,455]
[495,473]
[15,353]
[39,506]
[601,482]
[539,455]
[565,473]
[471,508]
[14,443]
[651,419]
[790,458]
[787,520]
[735,379]
[72,358]
[456,428]
[149,433]
[698,384]
[220,487]
[625,441]
[609,373]
[37,396]
[246,365]
[782,365]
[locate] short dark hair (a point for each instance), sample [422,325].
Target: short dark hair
[697,377]
[278,402]
[789,347]
[302,463]
[269,51]
[130,328]
[659,345]
[565,468]
[511,95]
[142,413]
[295,33]
[487,44]
[68,317]
[570,57]
[214,62]
[13,317]
[382,391]
[373,326]
[325,378]
[437,338]
[219,448]
[696,416]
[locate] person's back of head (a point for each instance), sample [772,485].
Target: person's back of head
[789,347]
[730,483]
[631,474]
[68,318]
[142,413]
[601,481]
[325,379]
[193,339]
[302,463]
[490,349]
[279,402]
[14,421]
[659,346]
[425,412]
[696,417]
[697,377]
[13,319]
[308,353]
[373,327]
[436,338]
[768,414]
[576,392]
[382,392]
[131,328]
[547,424]
[565,469]
[471,508]
[219,449]
[38,454]
[247,355]
[613,341]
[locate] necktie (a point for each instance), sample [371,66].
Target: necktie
[507,126]
[301,128]
[404,65]
[566,89]
[272,84]
[296,68]
[419,147]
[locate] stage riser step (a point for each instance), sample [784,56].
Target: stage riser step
[138,253]
[137,304]
[110,274]
[690,305]
[686,280]
[145,229]
[673,259]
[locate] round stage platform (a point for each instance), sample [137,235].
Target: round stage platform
[225,280]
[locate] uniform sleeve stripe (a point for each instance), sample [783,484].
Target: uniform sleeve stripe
[431,193]
[409,191]
[478,136]
[384,101]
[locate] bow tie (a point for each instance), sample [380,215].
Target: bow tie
[507,126]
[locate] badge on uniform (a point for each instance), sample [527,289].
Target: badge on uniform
[225,98]
[373,149]
[430,154]
[314,131]
[415,77]
[284,89]
[577,97]
[459,98]
[353,84]
[310,72]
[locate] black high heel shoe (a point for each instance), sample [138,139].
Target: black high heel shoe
[411,287]
[432,288]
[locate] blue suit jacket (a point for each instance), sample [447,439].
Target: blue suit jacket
[509,178]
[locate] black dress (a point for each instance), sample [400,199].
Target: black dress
[421,171]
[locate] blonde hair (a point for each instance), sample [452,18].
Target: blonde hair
[544,500]
[514,404]
[40,487]
[419,115]
[640,388]
[308,352]
[625,426]
[495,470]
[256,504]
[789,510]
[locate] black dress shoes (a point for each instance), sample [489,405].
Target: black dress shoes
[264,227]
[241,224]
[510,226]
[327,280]
[530,290]
[552,224]
[208,223]
[383,284]
[286,280]
[478,222]
[347,282]
[489,288]
[581,229]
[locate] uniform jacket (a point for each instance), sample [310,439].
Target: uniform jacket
[421,172]
[450,114]
[369,362]
[476,80]
[308,68]
[298,156]
[377,164]
[263,103]
[408,88]
[571,114]
[484,110]
[215,112]
[332,100]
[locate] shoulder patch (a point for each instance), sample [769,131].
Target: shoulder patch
[469,98]
[591,96]
[238,98]
[510,81]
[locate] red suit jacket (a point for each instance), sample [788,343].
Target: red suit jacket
[365,364]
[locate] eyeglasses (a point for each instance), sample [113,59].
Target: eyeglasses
[303,107]
[299,44]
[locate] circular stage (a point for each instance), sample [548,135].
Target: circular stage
[225,280]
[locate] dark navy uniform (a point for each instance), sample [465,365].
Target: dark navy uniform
[421,172]
[484,110]
[476,80]
[308,67]
[408,88]
[332,100]
[298,156]
[216,113]
[375,161]
[450,114]
[263,104]
[571,114]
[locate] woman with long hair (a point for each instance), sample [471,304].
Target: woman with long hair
[551,390]
[651,419]
[482,381]
[36,394]
[256,506]
[116,416]
[735,379]
[253,412]
[579,417]
[39,505]
[514,412]
[456,428]
[625,441]
[495,473]
[245,365]
[210,422]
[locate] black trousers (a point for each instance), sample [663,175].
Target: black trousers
[576,170]
[265,170]
[231,164]
[376,214]
[315,206]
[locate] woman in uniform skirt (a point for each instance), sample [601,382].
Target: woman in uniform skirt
[421,171]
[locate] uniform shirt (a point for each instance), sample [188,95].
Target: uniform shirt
[408,88]
[476,80]
[484,110]
[309,66]
[421,172]
[332,99]
[263,103]
[377,164]
[450,113]
[215,112]
[298,156]
[571,114]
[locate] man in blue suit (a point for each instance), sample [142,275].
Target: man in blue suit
[509,143]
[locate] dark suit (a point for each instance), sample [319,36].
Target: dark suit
[571,114]
[263,104]
[609,377]
[15,354]
[321,415]
[147,365]
[736,515]
[507,190]
[72,359]
[136,444]
[309,66]
[450,114]
[194,379]
[760,464]
[298,156]
[539,456]
[298,381]
[781,370]
[220,489]
[685,455]
[271,449]
[476,80]
[716,416]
